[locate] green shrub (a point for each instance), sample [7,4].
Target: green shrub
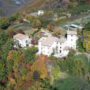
[55,71]
[71,83]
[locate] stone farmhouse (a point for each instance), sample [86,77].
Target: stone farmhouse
[59,47]
[22,40]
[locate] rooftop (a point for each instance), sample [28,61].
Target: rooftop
[41,10]
[62,40]
[49,40]
[72,32]
[20,36]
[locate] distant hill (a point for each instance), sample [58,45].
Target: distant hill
[8,7]
[43,4]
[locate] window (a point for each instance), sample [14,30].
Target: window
[27,45]
[60,51]
[26,41]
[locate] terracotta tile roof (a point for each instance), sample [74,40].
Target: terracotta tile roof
[20,36]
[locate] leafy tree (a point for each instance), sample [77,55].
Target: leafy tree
[48,27]
[40,66]
[29,54]
[71,53]
[86,44]
[14,56]
[7,47]
[24,71]
[36,23]
[51,26]
[3,38]
[87,26]
[80,46]
[55,71]
[12,18]
[11,31]
[79,32]
[30,18]
[72,5]
[1,87]
[75,65]
[10,66]
[3,73]
[16,15]
[4,24]
[40,85]
[71,83]
[57,31]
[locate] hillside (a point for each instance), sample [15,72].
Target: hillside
[8,7]
[50,4]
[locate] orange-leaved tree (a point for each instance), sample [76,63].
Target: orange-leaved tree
[40,67]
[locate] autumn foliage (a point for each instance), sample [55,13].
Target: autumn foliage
[22,74]
[20,31]
[40,66]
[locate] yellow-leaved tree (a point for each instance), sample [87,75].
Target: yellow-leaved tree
[40,67]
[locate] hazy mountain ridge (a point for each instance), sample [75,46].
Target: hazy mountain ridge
[8,7]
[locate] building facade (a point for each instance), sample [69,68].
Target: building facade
[40,12]
[58,47]
[22,40]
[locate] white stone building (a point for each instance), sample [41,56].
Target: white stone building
[22,40]
[46,45]
[71,39]
[40,12]
[59,47]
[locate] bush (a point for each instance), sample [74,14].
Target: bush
[80,46]
[29,54]
[4,24]
[36,24]
[55,72]
[87,26]
[70,83]
[80,9]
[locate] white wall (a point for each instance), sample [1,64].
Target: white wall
[46,50]
[23,43]
[64,47]
[71,41]
[40,12]
[62,52]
